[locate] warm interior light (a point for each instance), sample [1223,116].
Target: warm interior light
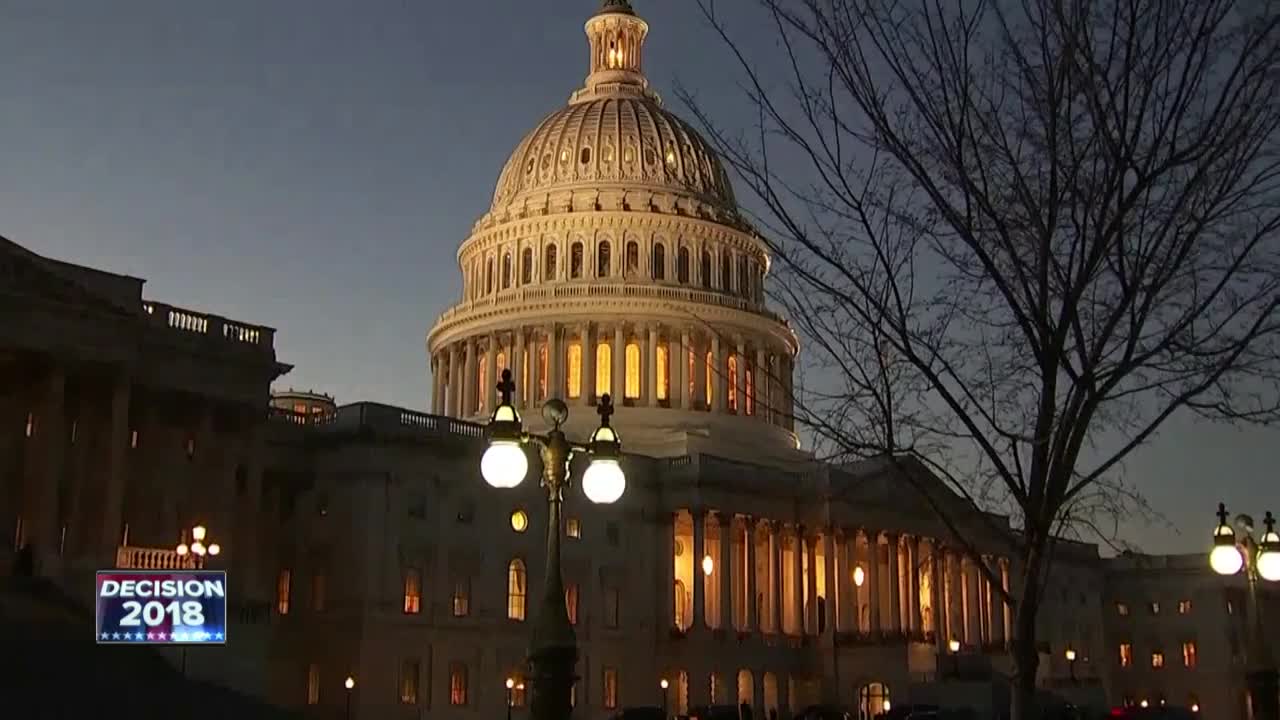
[954,645]
[182,549]
[1226,559]
[859,576]
[214,549]
[708,565]
[350,683]
[197,533]
[604,482]
[504,464]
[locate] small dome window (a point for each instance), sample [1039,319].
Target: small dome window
[671,158]
[564,155]
[650,157]
[606,154]
[546,161]
[585,156]
[629,155]
[529,169]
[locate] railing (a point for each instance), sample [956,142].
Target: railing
[140,558]
[383,419]
[564,291]
[212,326]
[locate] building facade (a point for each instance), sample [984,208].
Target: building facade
[362,542]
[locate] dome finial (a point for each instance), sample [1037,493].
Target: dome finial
[616,35]
[617,6]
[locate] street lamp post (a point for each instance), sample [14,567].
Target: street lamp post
[1071,663]
[1259,560]
[349,684]
[553,651]
[197,550]
[511,699]
[664,685]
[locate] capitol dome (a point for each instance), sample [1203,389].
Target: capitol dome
[614,259]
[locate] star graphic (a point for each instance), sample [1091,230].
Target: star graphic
[160,635]
[115,636]
[151,636]
[106,636]
[138,636]
[217,636]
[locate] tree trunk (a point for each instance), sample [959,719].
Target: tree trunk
[1026,656]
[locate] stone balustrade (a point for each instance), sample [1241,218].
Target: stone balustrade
[141,558]
[217,329]
[382,419]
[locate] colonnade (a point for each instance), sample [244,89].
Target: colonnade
[639,363]
[735,572]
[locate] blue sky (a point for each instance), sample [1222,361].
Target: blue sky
[312,165]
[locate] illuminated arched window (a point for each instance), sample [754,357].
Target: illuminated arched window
[682,693]
[711,379]
[506,270]
[691,372]
[733,383]
[543,371]
[679,600]
[664,374]
[501,363]
[632,389]
[517,590]
[549,264]
[682,265]
[633,259]
[488,276]
[716,686]
[573,366]
[726,271]
[873,700]
[482,376]
[706,269]
[751,390]
[526,266]
[604,367]
[575,261]
[604,257]
[770,693]
[659,262]
[746,688]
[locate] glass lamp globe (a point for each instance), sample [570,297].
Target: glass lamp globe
[197,548]
[197,533]
[504,464]
[1226,559]
[859,576]
[604,482]
[708,565]
[214,549]
[1269,557]
[182,549]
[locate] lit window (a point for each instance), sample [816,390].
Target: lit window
[573,528]
[1122,609]
[571,602]
[133,439]
[412,591]
[1126,655]
[574,374]
[751,391]
[313,684]
[519,521]
[282,592]
[517,590]
[1184,607]
[461,599]
[1157,659]
[458,684]
[482,380]
[31,425]
[691,371]
[501,363]
[410,672]
[1189,654]
[1154,607]
[319,586]
[711,379]
[664,374]
[714,683]
[733,383]
[610,688]
[612,600]
[632,390]
[604,368]
[542,370]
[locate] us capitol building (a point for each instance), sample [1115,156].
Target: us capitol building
[360,540]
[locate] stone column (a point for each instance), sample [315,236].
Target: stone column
[914,566]
[811,586]
[741,390]
[555,361]
[761,378]
[619,380]
[699,578]
[517,368]
[651,364]
[491,374]
[895,590]
[751,613]
[588,364]
[832,598]
[469,383]
[775,550]
[873,579]
[669,554]
[935,588]
[725,569]
[719,375]
[797,570]
[680,369]
[535,366]
[112,469]
[42,468]
[1006,615]
[699,373]
[451,403]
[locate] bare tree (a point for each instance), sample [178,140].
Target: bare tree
[1016,237]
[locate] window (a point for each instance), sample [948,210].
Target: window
[282,591]
[526,266]
[412,591]
[506,270]
[1184,607]
[632,389]
[612,598]
[318,588]
[517,590]
[584,157]
[133,438]
[690,371]
[873,699]
[573,374]
[1126,655]
[571,602]
[575,261]
[664,374]
[733,382]
[410,671]
[609,689]
[573,528]
[1157,659]
[482,379]
[313,684]
[659,262]
[1122,609]
[632,265]
[1189,654]
[488,276]
[711,379]
[549,264]
[744,278]
[714,683]
[543,371]
[31,425]
[519,521]
[726,271]
[1154,607]
[706,269]
[457,684]
[682,265]
[461,599]
[604,370]
[751,390]
[604,259]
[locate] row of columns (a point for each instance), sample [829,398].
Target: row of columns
[892,599]
[538,359]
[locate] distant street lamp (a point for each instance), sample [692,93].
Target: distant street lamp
[511,697]
[1071,662]
[197,546]
[1260,560]
[664,685]
[554,648]
[350,685]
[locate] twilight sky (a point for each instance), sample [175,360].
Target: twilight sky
[312,165]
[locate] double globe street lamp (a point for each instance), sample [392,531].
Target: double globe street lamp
[197,548]
[1260,560]
[553,651]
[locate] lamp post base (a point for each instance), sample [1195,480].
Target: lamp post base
[1264,694]
[553,679]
